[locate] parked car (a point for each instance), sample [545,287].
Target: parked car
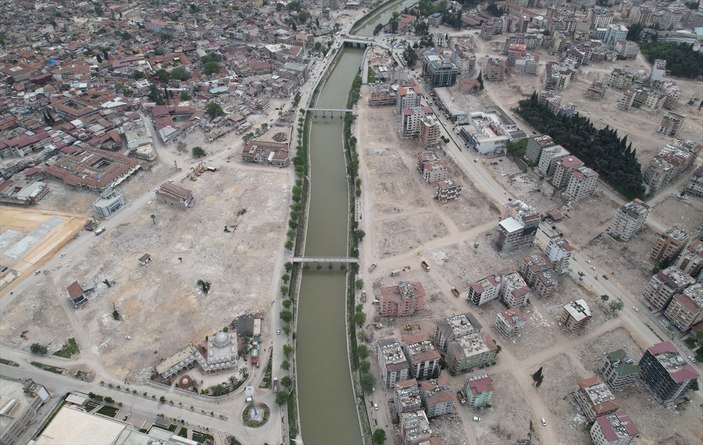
[544,422]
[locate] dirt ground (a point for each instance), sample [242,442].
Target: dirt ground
[686,214]
[23,255]
[139,292]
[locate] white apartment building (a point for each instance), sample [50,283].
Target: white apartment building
[559,252]
[549,157]
[514,291]
[408,97]
[391,359]
[686,308]
[563,169]
[582,183]
[628,220]
[484,290]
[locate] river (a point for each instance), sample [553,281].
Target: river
[383,17]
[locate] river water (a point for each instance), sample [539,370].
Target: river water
[383,17]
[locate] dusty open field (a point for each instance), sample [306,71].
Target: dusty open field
[161,306]
[686,214]
[29,237]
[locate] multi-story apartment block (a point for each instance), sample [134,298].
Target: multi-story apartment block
[658,70]
[558,76]
[614,429]
[510,322]
[423,358]
[666,373]
[430,135]
[615,33]
[410,119]
[531,265]
[464,347]
[545,283]
[670,124]
[669,163]
[519,228]
[664,285]
[595,399]
[535,145]
[478,388]
[563,170]
[576,315]
[619,370]
[381,96]
[690,261]
[392,361]
[448,190]
[621,79]
[406,396]
[495,70]
[484,290]
[550,100]
[549,158]
[437,396]
[415,428]
[20,404]
[430,167]
[669,245]
[627,49]
[695,184]
[408,97]
[513,290]
[628,220]
[559,252]
[686,308]
[402,300]
[464,59]
[582,182]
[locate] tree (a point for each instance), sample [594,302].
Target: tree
[287,381]
[604,298]
[204,286]
[364,367]
[367,382]
[184,95]
[198,152]
[137,74]
[99,10]
[363,351]
[180,73]
[162,399]
[359,318]
[616,306]
[153,219]
[98,58]
[480,81]
[287,350]
[211,67]
[285,365]
[378,437]
[378,29]
[115,315]
[286,316]
[214,110]
[537,375]
[163,75]
[286,303]
[281,398]
[409,56]
[38,349]
[393,22]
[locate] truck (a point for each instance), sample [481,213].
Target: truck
[372,267]
[425,265]
[455,291]
[395,273]
[461,397]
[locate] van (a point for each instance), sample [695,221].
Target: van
[99,231]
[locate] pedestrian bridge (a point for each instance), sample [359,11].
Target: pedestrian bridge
[325,263]
[329,112]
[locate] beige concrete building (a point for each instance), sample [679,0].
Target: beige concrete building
[582,183]
[484,290]
[695,184]
[518,227]
[414,428]
[464,346]
[422,357]
[686,308]
[669,245]
[437,396]
[392,361]
[628,220]
[448,190]
[406,396]
[619,370]
[510,322]
[513,290]
[565,166]
[614,429]
[19,404]
[690,261]
[595,399]
[430,135]
[531,265]
[576,315]
[559,252]
[535,145]
[663,286]
[431,167]
[402,300]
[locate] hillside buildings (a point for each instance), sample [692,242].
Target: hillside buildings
[663,286]
[576,315]
[484,290]
[614,429]
[628,220]
[518,228]
[595,399]
[669,245]
[464,347]
[402,300]
[619,370]
[478,388]
[666,373]
[686,307]
[392,361]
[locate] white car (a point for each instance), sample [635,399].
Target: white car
[278,332]
[544,422]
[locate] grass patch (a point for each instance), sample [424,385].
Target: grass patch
[109,411]
[90,405]
[249,411]
[690,343]
[293,415]
[8,362]
[183,432]
[371,74]
[54,369]
[172,428]
[69,349]
[266,381]
[202,437]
